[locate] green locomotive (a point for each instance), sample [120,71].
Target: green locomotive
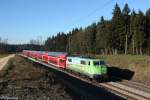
[93,68]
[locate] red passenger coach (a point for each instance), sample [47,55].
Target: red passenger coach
[45,57]
[39,55]
[32,54]
[26,52]
[57,58]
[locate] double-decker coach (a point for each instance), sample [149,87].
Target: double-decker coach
[57,58]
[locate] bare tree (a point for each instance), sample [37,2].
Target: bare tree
[0,39]
[32,41]
[5,41]
[39,40]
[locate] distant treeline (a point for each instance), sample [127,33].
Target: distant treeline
[14,48]
[8,48]
[128,32]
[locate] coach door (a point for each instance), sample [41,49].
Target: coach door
[62,63]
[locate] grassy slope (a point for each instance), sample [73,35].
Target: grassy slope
[3,55]
[140,65]
[29,81]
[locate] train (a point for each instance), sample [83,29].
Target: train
[90,67]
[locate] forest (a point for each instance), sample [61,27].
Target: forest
[127,32]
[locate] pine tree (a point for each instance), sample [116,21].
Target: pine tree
[148,31]
[133,30]
[90,38]
[139,32]
[126,31]
[117,28]
[102,36]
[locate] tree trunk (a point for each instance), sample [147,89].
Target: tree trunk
[106,51]
[126,44]
[102,51]
[116,51]
[110,51]
[137,51]
[113,51]
[133,46]
[141,53]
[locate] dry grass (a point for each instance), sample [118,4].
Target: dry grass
[140,65]
[3,55]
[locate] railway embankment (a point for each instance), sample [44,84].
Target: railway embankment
[26,80]
[135,68]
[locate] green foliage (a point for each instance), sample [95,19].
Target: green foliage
[57,43]
[117,28]
[103,36]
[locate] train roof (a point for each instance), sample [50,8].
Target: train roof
[83,58]
[56,54]
[42,51]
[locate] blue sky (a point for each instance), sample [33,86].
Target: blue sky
[22,20]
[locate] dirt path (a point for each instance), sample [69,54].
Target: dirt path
[3,61]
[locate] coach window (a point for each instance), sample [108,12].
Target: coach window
[61,60]
[69,60]
[89,63]
[83,62]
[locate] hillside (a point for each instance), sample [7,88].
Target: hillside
[139,66]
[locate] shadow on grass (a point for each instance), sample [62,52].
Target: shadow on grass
[117,74]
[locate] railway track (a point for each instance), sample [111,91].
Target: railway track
[126,89]
[129,92]
[133,84]
[138,86]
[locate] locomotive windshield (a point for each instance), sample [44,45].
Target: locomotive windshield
[102,63]
[97,63]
